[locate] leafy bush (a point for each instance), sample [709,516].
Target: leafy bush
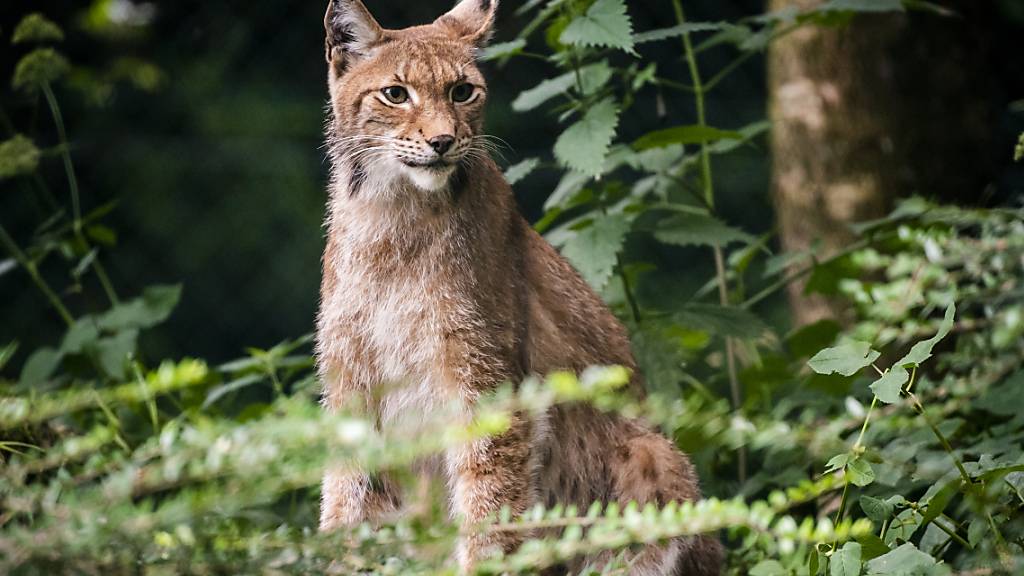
[888,446]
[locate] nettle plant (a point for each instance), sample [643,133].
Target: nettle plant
[661,185]
[859,463]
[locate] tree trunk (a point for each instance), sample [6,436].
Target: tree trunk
[884,107]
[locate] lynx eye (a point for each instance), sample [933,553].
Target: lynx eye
[462,92]
[396,94]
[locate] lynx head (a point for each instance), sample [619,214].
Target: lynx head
[407,104]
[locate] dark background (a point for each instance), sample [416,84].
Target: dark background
[204,121]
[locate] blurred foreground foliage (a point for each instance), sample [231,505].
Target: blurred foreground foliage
[888,445]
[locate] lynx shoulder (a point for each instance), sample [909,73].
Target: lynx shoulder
[435,290]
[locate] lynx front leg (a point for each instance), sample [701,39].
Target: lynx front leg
[485,476]
[350,497]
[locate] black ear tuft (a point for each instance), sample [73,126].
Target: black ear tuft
[351,30]
[472,20]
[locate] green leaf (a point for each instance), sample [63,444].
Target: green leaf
[594,250]
[861,6]
[584,145]
[860,472]
[605,24]
[112,353]
[38,67]
[846,359]
[906,560]
[889,386]
[938,503]
[846,560]
[721,320]
[1018,152]
[876,509]
[676,31]
[871,546]
[39,367]
[923,350]
[225,389]
[152,308]
[592,77]
[36,28]
[837,462]
[691,134]
[768,568]
[18,156]
[698,230]
[502,50]
[517,172]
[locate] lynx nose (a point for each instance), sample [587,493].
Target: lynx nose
[442,143]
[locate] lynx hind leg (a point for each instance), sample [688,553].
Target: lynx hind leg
[350,497]
[646,467]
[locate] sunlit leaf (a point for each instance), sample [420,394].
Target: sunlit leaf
[605,24]
[889,386]
[584,145]
[594,250]
[517,172]
[846,359]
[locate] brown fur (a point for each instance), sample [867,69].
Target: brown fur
[435,290]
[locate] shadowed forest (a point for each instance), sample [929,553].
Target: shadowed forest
[808,214]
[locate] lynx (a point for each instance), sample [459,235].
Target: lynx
[437,290]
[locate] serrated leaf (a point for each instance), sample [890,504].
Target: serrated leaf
[721,320]
[923,350]
[517,172]
[699,230]
[889,386]
[502,50]
[594,250]
[906,560]
[36,28]
[677,31]
[18,156]
[605,24]
[846,560]
[846,359]
[876,509]
[860,472]
[38,67]
[690,134]
[592,77]
[584,145]
[152,308]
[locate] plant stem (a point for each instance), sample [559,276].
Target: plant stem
[76,206]
[58,119]
[709,201]
[33,272]
[627,289]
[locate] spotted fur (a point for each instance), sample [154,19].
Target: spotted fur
[435,290]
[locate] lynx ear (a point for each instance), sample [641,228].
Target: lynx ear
[472,20]
[351,31]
